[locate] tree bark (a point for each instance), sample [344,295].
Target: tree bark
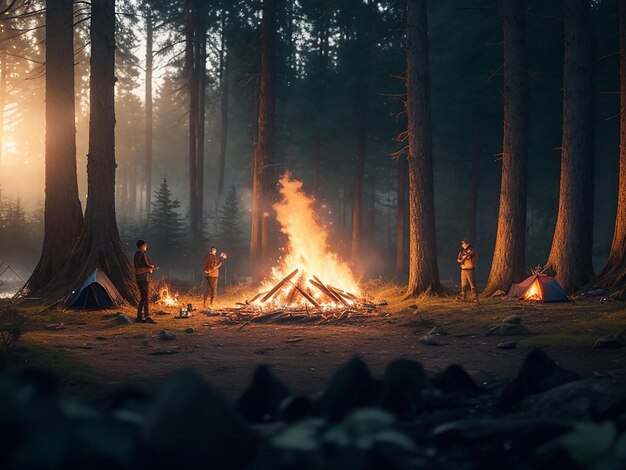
[192,87]
[423,269]
[224,88]
[200,71]
[62,211]
[149,112]
[509,265]
[570,255]
[472,209]
[322,67]
[613,274]
[403,169]
[260,243]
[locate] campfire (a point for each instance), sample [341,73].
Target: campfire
[166,297]
[309,274]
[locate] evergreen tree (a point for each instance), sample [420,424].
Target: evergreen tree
[229,232]
[166,224]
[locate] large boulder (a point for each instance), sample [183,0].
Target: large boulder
[260,402]
[597,399]
[190,425]
[351,387]
[455,380]
[403,384]
[538,374]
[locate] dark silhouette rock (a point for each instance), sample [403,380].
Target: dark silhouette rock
[597,399]
[538,374]
[513,319]
[294,408]
[351,387]
[507,345]
[404,382]
[455,380]
[616,341]
[261,401]
[190,425]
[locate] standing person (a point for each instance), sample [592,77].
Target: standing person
[143,269]
[212,265]
[467,260]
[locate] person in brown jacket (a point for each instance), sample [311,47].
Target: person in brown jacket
[143,269]
[212,265]
[467,260]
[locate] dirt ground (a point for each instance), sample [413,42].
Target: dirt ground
[92,355]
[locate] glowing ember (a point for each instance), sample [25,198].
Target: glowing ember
[533,292]
[167,298]
[309,272]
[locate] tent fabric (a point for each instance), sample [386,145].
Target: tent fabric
[546,287]
[97,291]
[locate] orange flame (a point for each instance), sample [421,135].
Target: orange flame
[168,298]
[533,292]
[307,250]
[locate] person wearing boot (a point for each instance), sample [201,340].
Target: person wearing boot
[212,265]
[467,260]
[143,270]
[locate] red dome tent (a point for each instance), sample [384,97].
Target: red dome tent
[539,287]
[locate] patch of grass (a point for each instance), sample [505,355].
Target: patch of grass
[33,354]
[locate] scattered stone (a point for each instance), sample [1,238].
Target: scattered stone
[166,335]
[382,303]
[498,293]
[538,374]
[507,345]
[615,341]
[55,326]
[432,340]
[508,329]
[161,312]
[190,330]
[513,319]
[297,339]
[123,319]
[261,400]
[100,338]
[438,330]
[165,352]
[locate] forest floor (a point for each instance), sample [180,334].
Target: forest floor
[92,355]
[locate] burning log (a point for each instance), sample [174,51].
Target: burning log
[307,296]
[278,286]
[330,292]
[344,294]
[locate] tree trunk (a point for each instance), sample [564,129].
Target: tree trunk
[99,244]
[3,76]
[322,64]
[359,176]
[509,265]
[423,270]
[472,210]
[401,217]
[149,123]
[570,255]
[200,70]
[62,212]
[224,88]
[264,152]
[613,275]
[192,86]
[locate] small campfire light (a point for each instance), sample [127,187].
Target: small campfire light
[167,298]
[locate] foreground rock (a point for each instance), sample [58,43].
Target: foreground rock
[123,319]
[616,341]
[510,326]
